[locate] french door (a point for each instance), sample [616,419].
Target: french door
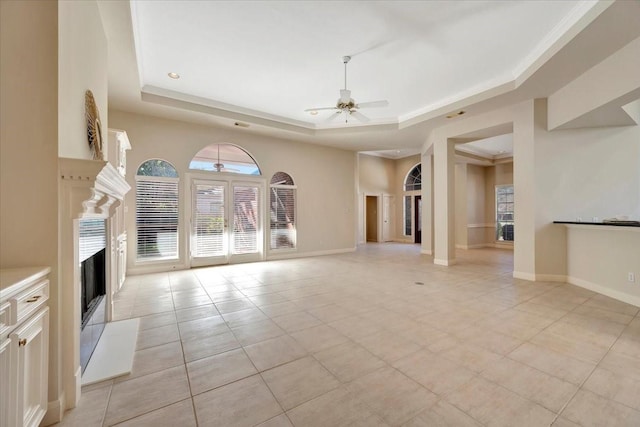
[226,225]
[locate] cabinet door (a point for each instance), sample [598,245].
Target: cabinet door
[7,385]
[29,355]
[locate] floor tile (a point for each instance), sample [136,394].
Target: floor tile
[319,338]
[138,396]
[348,361]
[590,410]
[194,313]
[494,405]
[553,363]
[392,396]
[202,328]
[215,371]
[436,373]
[621,388]
[273,352]
[442,414]
[155,359]
[208,346]
[296,321]
[388,346]
[299,381]
[157,320]
[90,410]
[243,403]
[472,357]
[179,414]
[157,336]
[535,385]
[280,421]
[255,332]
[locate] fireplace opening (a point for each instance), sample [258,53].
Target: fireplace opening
[93,286]
[92,271]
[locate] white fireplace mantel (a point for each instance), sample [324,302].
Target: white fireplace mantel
[88,189]
[97,187]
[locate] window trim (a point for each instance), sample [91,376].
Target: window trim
[497,221]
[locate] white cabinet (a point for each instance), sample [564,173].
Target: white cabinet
[24,346]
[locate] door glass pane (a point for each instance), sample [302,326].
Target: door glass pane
[245,219]
[209,221]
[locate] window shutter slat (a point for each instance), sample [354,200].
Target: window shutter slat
[245,220]
[209,220]
[157,218]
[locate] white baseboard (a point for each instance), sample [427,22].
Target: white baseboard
[444,262]
[524,276]
[551,278]
[426,251]
[310,254]
[55,411]
[612,293]
[155,268]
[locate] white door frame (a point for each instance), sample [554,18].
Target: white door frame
[231,180]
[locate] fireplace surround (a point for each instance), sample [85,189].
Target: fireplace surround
[89,190]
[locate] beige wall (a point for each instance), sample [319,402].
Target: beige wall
[83,66]
[589,249]
[324,176]
[380,176]
[29,148]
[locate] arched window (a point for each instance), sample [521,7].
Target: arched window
[157,211]
[225,158]
[414,179]
[283,211]
[413,182]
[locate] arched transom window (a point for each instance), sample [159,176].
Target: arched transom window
[225,158]
[414,179]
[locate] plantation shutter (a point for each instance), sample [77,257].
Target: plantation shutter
[209,221]
[245,219]
[283,230]
[157,217]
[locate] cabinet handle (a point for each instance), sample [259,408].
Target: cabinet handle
[22,342]
[34,298]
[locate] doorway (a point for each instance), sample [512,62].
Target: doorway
[417,219]
[226,225]
[371,219]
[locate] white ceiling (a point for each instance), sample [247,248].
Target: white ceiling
[275,59]
[265,62]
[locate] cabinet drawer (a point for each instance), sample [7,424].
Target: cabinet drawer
[6,320]
[27,302]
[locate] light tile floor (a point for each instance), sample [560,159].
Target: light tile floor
[379,337]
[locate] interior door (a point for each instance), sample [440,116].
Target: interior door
[226,223]
[387,218]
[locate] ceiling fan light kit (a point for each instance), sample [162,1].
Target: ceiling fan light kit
[346,104]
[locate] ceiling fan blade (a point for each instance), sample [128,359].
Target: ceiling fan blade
[333,116]
[319,109]
[345,96]
[359,116]
[373,104]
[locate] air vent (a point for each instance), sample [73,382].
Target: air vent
[241,124]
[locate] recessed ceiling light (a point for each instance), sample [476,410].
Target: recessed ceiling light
[501,152]
[313,113]
[452,115]
[174,76]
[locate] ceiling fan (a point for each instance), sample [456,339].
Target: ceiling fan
[346,104]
